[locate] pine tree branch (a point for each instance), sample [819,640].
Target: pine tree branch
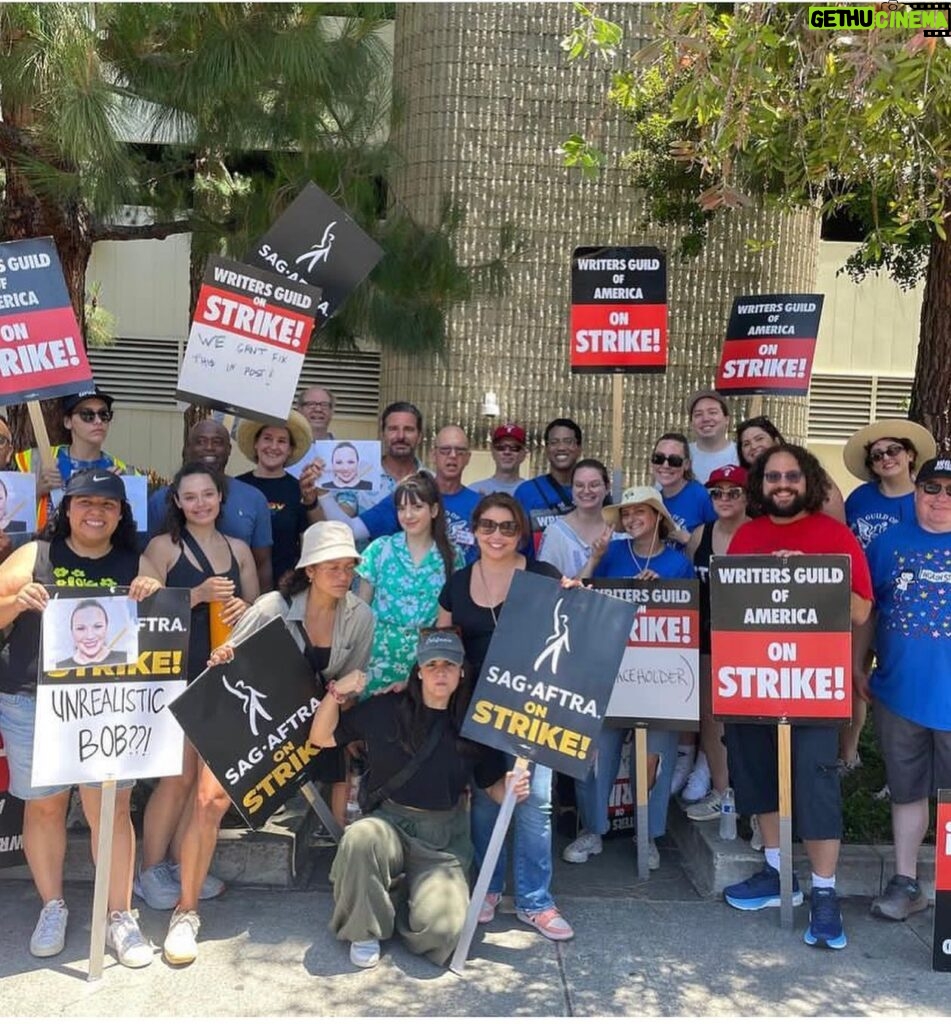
[133,232]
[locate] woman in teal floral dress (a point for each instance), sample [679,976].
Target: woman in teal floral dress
[401,577]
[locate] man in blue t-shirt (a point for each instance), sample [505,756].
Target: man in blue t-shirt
[911,685]
[548,496]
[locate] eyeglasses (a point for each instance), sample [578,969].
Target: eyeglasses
[932,487]
[791,476]
[488,526]
[886,453]
[674,461]
[91,415]
[316,405]
[452,449]
[730,493]
[512,449]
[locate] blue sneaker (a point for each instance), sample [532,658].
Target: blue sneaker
[825,921]
[760,891]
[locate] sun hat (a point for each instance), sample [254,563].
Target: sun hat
[323,542]
[440,645]
[854,453]
[297,427]
[637,496]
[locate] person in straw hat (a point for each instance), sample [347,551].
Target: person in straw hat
[272,449]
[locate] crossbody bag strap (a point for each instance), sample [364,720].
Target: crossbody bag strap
[408,770]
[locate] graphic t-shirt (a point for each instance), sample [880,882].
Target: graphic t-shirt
[704,463]
[870,513]
[288,518]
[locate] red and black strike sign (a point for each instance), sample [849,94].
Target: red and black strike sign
[941,946]
[770,343]
[781,637]
[618,309]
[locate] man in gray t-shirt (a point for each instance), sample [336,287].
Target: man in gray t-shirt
[508,453]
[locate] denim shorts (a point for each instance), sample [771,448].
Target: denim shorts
[17,717]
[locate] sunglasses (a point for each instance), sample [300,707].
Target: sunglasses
[791,476]
[730,493]
[91,415]
[488,526]
[933,487]
[886,453]
[674,461]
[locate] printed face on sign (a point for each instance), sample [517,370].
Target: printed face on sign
[350,466]
[90,631]
[17,502]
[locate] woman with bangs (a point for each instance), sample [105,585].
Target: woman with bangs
[401,576]
[685,499]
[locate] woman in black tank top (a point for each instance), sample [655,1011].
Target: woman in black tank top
[193,554]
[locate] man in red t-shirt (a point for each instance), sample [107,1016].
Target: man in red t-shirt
[790,486]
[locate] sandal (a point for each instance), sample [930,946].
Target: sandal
[491,901]
[549,922]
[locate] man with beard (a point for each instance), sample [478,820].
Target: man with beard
[790,487]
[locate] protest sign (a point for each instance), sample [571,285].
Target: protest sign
[96,722]
[770,342]
[618,309]
[548,673]
[621,805]
[250,721]
[17,503]
[11,820]
[658,683]
[41,347]
[781,640]
[941,944]
[90,631]
[350,468]
[316,241]
[247,341]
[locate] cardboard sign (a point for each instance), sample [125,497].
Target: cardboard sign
[622,817]
[250,721]
[17,503]
[247,341]
[618,309]
[941,945]
[781,640]
[105,721]
[658,683]
[11,820]
[316,241]
[548,673]
[770,342]
[352,469]
[41,347]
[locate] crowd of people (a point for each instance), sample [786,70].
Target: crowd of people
[392,596]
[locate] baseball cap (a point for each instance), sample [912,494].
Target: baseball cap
[440,645]
[100,483]
[707,393]
[727,475]
[934,468]
[509,432]
[71,401]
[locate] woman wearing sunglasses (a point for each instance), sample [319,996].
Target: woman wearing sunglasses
[473,600]
[685,499]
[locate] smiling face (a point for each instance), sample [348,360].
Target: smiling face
[889,459]
[208,442]
[400,435]
[784,487]
[416,518]
[92,520]
[88,627]
[345,465]
[670,478]
[708,419]
[562,448]
[588,488]
[318,409]
[639,521]
[199,499]
[753,442]
[273,447]
[933,511]
[495,545]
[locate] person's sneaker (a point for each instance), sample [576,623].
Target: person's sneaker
[902,898]
[49,935]
[125,939]
[884,793]
[365,953]
[549,922]
[586,845]
[158,887]
[825,920]
[707,809]
[211,888]
[489,904]
[653,854]
[756,839]
[760,891]
[683,766]
[698,781]
[181,942]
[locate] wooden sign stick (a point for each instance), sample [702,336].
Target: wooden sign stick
[643,823]
[100,897]
[43,446]
[785,824]
[313,797]
[617,435]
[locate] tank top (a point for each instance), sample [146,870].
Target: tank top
[57,564]
[187,575]
[701,562]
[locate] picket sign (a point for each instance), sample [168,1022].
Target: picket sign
[100,895]
[43,446]
[312,795]
[640,798]
[784,748]
[941,934]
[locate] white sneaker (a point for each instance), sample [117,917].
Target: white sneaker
[698,781]
[682,768]
[49,935]
[211,888]
[181,942]
[585,846]
[365,953]
[124,937]
[653,854]
[707,809]
[158,887]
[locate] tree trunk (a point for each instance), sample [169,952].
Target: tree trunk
[931,392]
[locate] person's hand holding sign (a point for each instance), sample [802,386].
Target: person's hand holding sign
[215,588]
[309,491]
[350,685]
[32,596]
[522,786]
[142,587]
[49,479]
[221,655]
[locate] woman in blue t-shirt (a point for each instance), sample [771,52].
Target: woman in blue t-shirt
[685,499]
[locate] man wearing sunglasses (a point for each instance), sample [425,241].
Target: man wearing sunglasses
[86,416]
[790,486]
[911,571]
[508,453]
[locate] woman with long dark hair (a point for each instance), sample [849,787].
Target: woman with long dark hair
[419,768]
[685,499]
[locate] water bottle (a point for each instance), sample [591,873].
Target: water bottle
[728,815]
[353,800]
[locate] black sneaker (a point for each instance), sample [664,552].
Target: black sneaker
[902,898]
[825,920]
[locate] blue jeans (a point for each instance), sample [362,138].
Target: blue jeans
[593,791]
[532,842]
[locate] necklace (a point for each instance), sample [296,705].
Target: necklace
[488,594]
[637,564]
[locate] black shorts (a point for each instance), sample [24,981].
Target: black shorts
[752,751]
[917,759]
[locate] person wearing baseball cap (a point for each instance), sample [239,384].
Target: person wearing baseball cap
[508,453]
[710,421]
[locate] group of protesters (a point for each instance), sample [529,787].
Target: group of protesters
[392,596]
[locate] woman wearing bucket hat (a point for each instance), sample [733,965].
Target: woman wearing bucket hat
[333,628]
[642,554]
[272,449]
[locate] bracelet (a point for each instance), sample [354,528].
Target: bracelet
[338,697]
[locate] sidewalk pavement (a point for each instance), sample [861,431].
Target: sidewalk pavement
[641,949]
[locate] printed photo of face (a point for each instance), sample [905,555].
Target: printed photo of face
[345,465]
[89,625]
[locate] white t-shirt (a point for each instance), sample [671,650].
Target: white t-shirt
[704,463]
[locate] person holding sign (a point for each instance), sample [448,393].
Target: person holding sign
[417,818]
[790,485]
[685,499]
[472,600]
[643,555]
[91,541]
